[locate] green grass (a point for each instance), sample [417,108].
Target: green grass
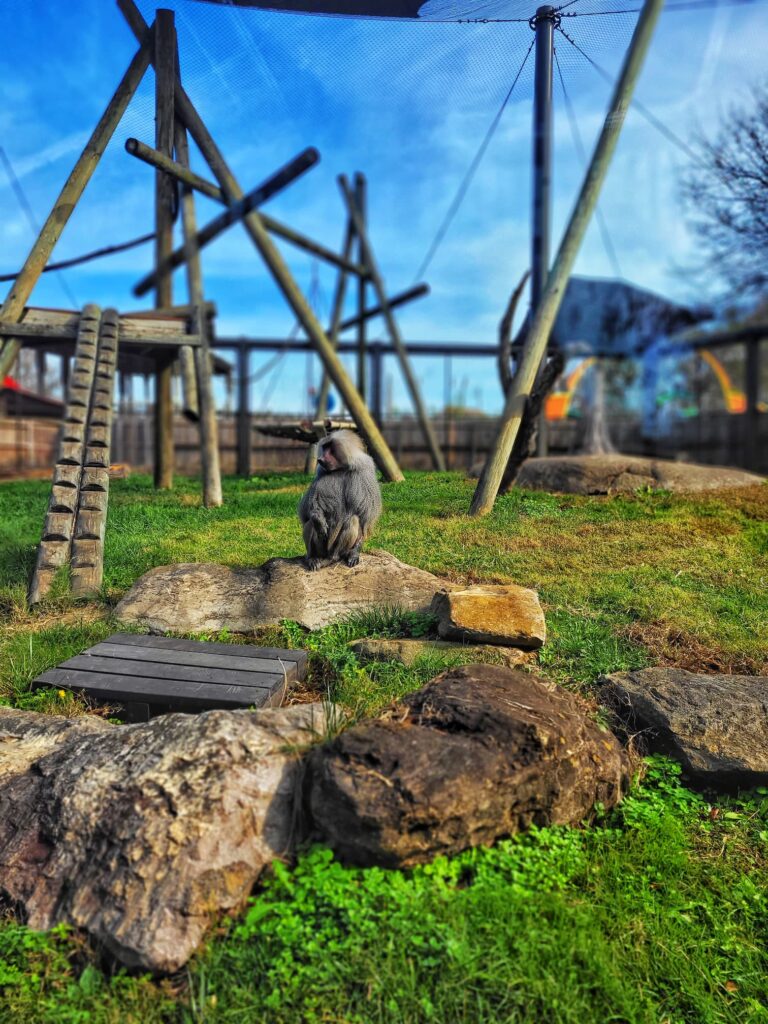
[656,914]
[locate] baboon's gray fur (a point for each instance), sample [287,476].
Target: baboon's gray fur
[343,502]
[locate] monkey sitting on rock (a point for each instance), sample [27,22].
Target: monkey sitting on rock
[343,502]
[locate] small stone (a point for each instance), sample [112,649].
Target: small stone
[715,725]
[505,614]
[407,652]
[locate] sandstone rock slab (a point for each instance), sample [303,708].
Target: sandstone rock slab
[408,651]
[505,614]
[715,725]
[480,752]
[620,474]
[193,596]
[141,834]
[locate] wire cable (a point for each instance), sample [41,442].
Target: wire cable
[75,261]
[578,143]
[650,118]
[24,204]
[461,192]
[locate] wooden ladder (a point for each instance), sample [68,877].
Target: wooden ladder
[75,522]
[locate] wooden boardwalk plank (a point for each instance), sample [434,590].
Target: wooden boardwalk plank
[87,663]
[117,687]
[211,647]
[199,659]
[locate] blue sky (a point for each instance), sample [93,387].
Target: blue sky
[406,103]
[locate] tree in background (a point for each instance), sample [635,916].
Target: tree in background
[726,194]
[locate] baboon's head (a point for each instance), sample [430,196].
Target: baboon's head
[339,450]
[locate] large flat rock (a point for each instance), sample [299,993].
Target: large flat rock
[619,474]
[715,725]
[141,834]
[480,752]
[196,597]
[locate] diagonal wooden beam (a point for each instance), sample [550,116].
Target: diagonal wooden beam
[546,312]
[13,306]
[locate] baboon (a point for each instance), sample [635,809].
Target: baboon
[343,502]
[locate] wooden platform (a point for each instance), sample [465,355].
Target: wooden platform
[152,675]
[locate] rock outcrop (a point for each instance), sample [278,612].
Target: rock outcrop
[716,726]
[193,596]
[479,753]
[620,474]
[141,834]
[504,614]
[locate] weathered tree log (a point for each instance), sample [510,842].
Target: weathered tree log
[140,834]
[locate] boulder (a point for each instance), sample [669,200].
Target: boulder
[196,597]
[480,752]
[620,474]
[505,614]
[407,652]
[715,725]
[140,834]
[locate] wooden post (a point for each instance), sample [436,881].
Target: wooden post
[333,337]
[255,226]
[13,306]
[244,436]
[165,78]
[392,327]
[201,355]
[752,412]
[544,318]
[362,208]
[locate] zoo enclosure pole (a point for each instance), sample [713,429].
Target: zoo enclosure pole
[165,77]
[543,24]
[544,317]
[361,195]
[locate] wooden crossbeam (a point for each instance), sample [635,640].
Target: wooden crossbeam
[207,188]
[234,212]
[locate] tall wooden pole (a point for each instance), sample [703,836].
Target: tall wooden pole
[201,356]
[394,331]
[544,317]
[282,276]
[165,80]
[333,336]
[40,253]
[361,195]
[544,25]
